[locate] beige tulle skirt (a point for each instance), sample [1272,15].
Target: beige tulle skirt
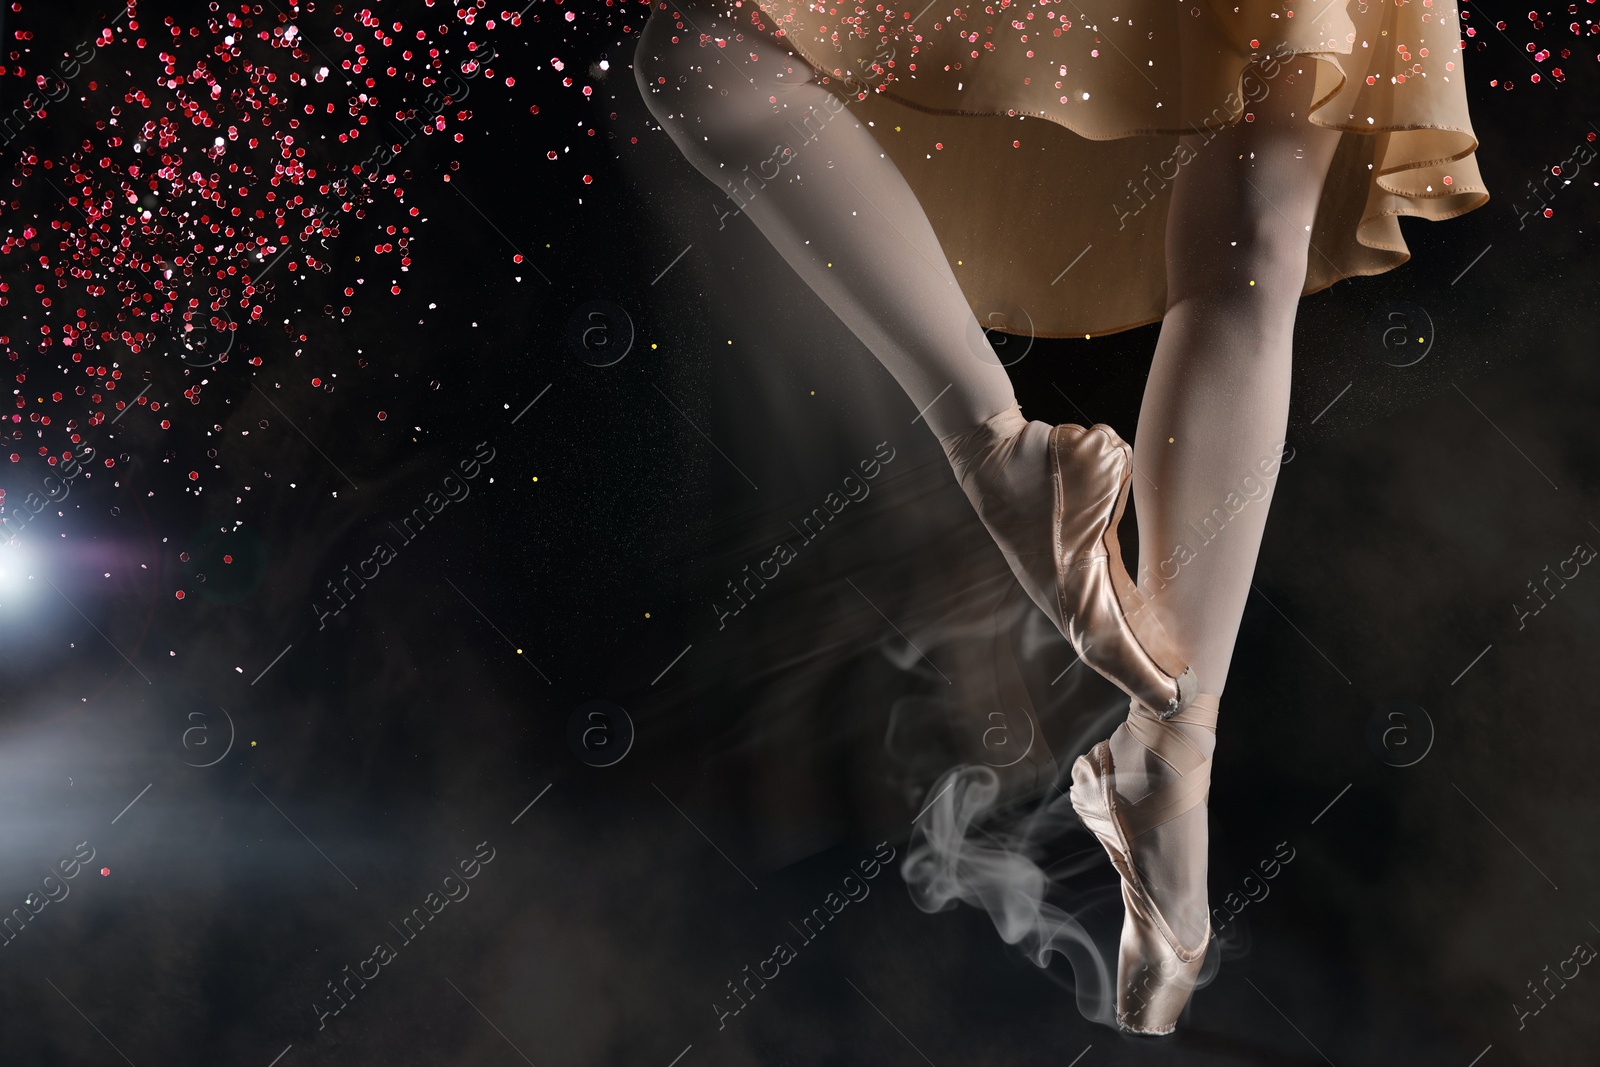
[1056,227]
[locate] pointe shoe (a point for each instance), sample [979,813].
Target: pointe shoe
[1061,543]
[1156,973]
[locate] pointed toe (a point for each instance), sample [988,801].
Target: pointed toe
[1156,973]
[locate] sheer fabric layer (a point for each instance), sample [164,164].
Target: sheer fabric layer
[1055,227]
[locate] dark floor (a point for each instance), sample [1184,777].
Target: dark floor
[1425,760]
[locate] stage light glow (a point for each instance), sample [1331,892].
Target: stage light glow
[16,571]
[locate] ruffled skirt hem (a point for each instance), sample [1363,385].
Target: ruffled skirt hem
[1006,219]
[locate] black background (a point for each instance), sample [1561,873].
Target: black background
[618,906]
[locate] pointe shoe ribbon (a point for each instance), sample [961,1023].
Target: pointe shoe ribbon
[1156,973]
[1062,545]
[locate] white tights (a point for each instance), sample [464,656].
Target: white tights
[836,209]
[1217,400]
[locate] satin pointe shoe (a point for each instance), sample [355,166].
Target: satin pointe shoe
[1156,973]
[1059,534]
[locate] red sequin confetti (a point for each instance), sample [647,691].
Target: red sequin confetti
[213,163]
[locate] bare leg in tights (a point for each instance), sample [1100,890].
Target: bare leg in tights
[1219,384]
[1215,408]
[838,210]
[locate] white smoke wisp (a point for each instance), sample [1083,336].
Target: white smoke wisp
[994,829]
[960,853]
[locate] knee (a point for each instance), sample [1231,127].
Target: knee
[1277,248]
[721,116]
[1260,260]
[1277,211]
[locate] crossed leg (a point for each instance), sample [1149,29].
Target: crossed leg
[751,117]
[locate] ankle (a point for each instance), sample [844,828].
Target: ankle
[976,444]
[1204,735]
[1141,769]
[1201,738]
